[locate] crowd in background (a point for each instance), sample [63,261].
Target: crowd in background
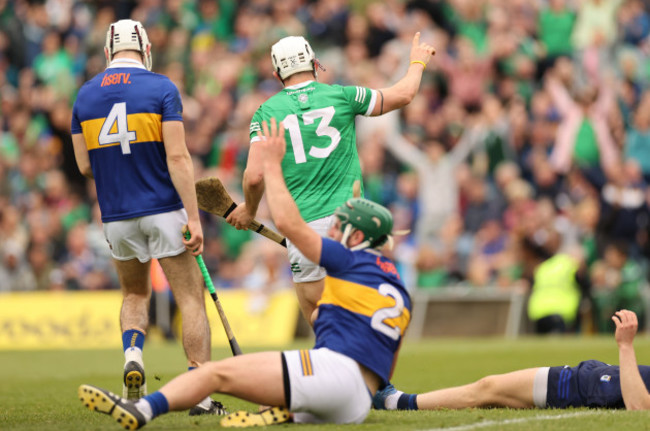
[530,138]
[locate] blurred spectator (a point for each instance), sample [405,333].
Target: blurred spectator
[555,25]
[15,272]
[637,141]
[583,137]
[556,294]
[438,190]
[43,267]
[83,270]
[623,209]
[617,283]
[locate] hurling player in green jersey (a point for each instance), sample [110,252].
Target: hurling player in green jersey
[321,162]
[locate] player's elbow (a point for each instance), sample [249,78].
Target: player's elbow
[86,170]
[283,225]
[638,404]
[398,99]
[253,178]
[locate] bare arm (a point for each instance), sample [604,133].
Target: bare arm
[81,155]
[283,209]
[470,139]
[560,96]
[406,152]
[405,89]
[253,185]
[635,393]
[181,171]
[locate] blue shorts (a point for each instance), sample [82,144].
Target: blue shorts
[590,384]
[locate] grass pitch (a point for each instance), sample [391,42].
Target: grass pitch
[38,388]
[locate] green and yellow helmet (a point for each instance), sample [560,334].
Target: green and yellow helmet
[374,220]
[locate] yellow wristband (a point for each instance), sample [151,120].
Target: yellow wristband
[420,62]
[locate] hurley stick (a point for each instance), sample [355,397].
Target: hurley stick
[213,198]
[234,346]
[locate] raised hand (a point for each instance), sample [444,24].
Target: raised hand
[421,53]
[274,143]
[626,326]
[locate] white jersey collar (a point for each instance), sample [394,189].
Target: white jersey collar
[125,62]
[299,85]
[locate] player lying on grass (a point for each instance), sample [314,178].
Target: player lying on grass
[590,384]
[359,323]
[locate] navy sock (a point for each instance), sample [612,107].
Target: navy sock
[132,338]
[158,403]
[407,402]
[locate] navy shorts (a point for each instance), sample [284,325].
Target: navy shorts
[590,384]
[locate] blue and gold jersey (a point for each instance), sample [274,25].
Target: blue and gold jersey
[120,114]
[365,308]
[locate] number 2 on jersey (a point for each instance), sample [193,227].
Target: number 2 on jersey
[122,135]
[323,129]
[378,318]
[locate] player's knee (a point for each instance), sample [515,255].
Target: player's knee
[485,389]
[221,373]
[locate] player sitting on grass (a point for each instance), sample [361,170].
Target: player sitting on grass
[590,384]
[359,323]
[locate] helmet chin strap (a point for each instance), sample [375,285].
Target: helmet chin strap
[347,231]
[361,246]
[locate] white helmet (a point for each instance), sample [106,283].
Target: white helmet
[292,54]
[128,35]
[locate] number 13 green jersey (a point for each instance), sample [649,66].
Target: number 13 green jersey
[321,163]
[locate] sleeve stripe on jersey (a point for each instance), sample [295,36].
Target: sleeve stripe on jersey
[255,127]
[373,101]
[361,95]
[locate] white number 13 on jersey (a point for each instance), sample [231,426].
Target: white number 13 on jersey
[122,135]
[323,129]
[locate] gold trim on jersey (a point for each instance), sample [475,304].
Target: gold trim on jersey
[362,300]
[305,361]
[148,128]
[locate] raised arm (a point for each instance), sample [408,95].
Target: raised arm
[469,140]
[283,208]
[635,393]
[560,96]
[406,152]
[181,171]
[404,90]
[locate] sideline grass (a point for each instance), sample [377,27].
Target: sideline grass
[38,388]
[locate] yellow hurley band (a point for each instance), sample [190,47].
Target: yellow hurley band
[420,62]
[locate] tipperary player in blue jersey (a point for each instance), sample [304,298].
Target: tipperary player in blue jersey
[589,384]
[359,324]
[128,135]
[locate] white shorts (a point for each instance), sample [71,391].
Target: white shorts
[325,387]
[303,269]
[143,238]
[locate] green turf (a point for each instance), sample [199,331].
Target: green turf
[38,389]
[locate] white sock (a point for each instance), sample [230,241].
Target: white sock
[206,403]
[145,408]
[391,401]
[133,354]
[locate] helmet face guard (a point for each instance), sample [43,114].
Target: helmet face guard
[291,55]
[374,220]
[128,35]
